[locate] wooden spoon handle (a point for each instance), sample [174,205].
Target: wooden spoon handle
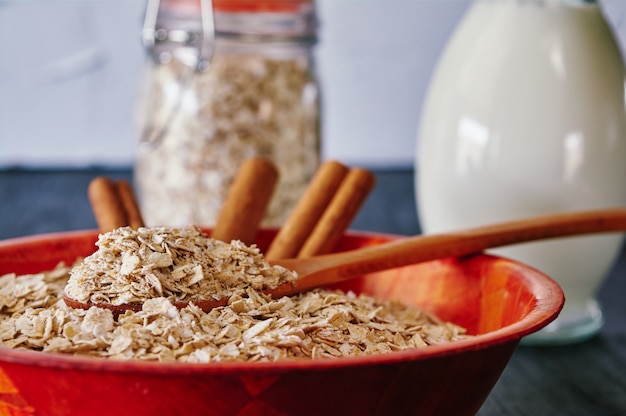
[308,211]
[247,199]
[333,268]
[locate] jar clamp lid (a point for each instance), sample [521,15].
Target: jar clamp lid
[158,40]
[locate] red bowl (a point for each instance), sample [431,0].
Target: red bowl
[497,300]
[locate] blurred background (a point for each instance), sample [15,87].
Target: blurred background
[69,76]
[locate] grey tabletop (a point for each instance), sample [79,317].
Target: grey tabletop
[588,378]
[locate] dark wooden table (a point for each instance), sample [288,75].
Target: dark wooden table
[582,379]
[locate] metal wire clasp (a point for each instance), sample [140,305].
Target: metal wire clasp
[155,38]
[161,43]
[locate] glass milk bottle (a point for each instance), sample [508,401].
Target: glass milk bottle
[525,116]
[227,80]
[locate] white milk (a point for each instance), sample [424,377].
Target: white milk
[525,116]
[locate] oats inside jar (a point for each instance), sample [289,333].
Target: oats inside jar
[316,324]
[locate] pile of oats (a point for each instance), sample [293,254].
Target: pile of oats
[315,324]
[246,105]
[164,265]
[180,264]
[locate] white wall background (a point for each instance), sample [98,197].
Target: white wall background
[69,71]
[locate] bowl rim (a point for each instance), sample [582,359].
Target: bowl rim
[545,310]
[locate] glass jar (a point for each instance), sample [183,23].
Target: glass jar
[226,82]
[525,116]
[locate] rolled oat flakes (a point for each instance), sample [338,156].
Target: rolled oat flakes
[251,327]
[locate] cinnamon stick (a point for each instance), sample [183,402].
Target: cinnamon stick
[246,202]
[129,202]
[106,204]
[307,212]
[340,212]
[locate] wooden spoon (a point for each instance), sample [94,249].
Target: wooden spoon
[337,267]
